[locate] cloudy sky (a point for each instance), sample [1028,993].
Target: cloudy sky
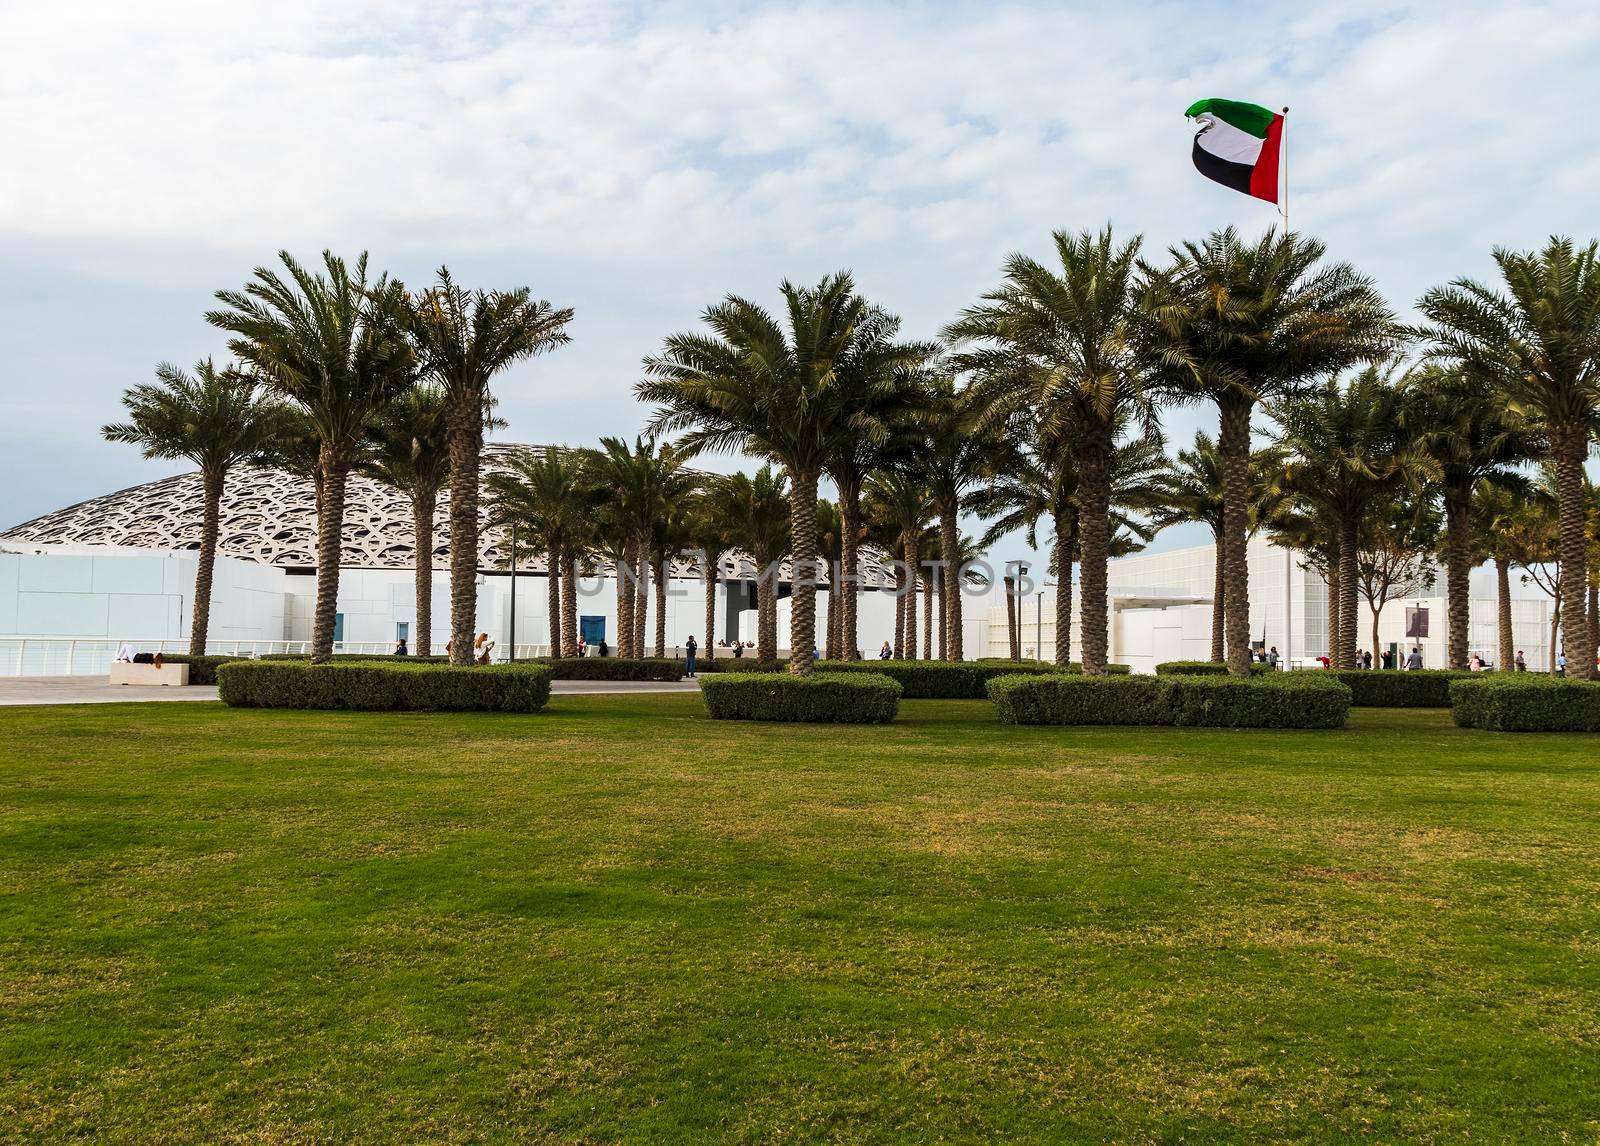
[637,162]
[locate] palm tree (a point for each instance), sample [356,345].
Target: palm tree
[1349,448]
[1062,345]
[636,485]
[884,376]
[1239,324]
[1537,344]
[409,454]
[332,343]
[899,504]
[1473,438]
[1191,490]
[463,339]
[958,448]
[549,495]
[796,392]
[757,510]
[708,533]
[216,419]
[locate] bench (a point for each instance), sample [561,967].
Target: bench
[122,672]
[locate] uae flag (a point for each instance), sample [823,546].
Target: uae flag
[1237,145]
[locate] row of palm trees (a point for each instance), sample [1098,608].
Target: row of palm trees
[1037,409]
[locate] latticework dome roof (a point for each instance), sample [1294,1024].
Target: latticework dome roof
[269,516]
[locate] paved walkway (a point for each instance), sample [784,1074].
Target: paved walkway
[95,690]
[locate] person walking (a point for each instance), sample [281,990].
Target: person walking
[1522,663]
[1414,661]
[689,649]
[1561,663]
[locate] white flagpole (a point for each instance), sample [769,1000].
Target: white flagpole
[1285,143]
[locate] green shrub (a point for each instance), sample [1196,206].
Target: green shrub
[1525,702]
[1205,668]
[1276,700]
[1279,700]
[940,680]
[1048,666]
[612,668]
[746,663]
[821,698]
[1397,688]
[1065,698]
[385,687]
[202,670]
[353,658]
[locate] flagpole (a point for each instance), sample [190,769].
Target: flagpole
[1286,171]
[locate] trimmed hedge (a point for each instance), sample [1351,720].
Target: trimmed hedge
[1205,668]
[202,670]
[354,658]
[1280,700]
[1047,666]
[746,663]
[1399,688]
[1525,702]
[1276,700]
[1063,698]
[821,698]
[939,680]
[612,668]
[385,687]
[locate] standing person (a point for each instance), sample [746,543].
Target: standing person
[1414,661]
[482,647]
[400,649]
[1387,659]
[1561,663]
[1272,657]
[1522,664]
[605,649]
[886,652]
[689,649]
[1476,663]
[583,645]
[1366,660]
[738,649]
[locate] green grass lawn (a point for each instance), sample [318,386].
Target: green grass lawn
[618,920]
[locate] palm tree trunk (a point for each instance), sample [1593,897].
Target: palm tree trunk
[552,562]
[1348,601]
[1594,617]
[766,604]
[1066,531]
[625,580]
[662,572]
[1502,580]
[1569,444]
[899,614]
[712,572]
[1555,629]
[850,567]
[1094,532]
[1233,442]
[641,602]
[330,534]
[944,624]
[569,603]
[1014,647]
[1332,581]
[831,647]
[466,449]
[1219,590]
[950,591]
[206,562]
[908,548]
[424,503]
[927,617]
[1458,572]
[803,573]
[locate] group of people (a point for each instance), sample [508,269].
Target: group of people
[481,648]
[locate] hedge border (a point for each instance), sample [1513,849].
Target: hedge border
[1278,700]
[612,668]
[380,687]
[821,698]
[1525,702]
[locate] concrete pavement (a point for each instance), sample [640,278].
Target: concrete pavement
[95,690]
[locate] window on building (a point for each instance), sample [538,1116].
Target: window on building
[338,627]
